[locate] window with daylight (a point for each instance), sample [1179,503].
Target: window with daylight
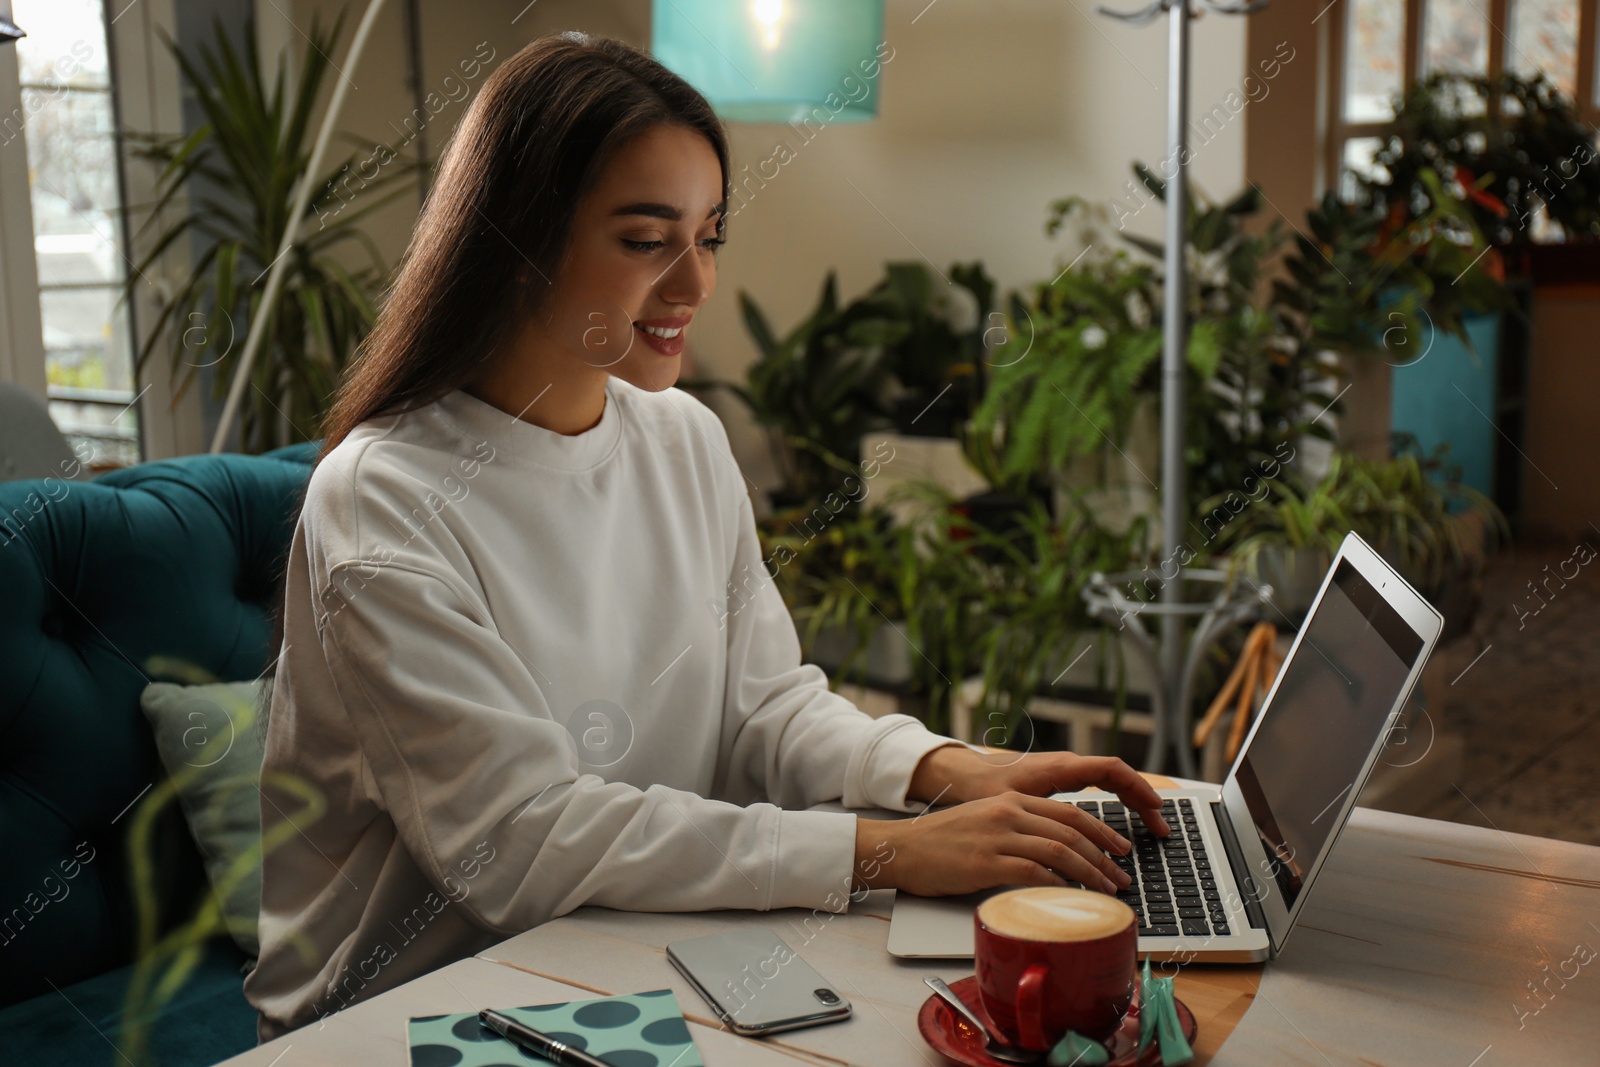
[1380,48]
[78,223]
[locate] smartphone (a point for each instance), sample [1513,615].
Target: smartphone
[757,984]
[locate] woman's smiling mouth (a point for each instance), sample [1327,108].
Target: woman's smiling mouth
[666,336]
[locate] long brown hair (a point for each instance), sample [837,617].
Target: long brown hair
[499,216]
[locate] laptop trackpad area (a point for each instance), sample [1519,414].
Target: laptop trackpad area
[935,927]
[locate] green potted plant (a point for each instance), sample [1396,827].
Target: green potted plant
[923,606]
[1517,147]
[1436,532]
[1086,412]
[815,390]
[1060,395]
[1411,259]
[936,357]
[1080,349]
[1375,285]
[842,586]
[239,171]
[902,354]
[1253,389]
[1036,624]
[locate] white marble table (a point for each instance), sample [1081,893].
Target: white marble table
[1423,943]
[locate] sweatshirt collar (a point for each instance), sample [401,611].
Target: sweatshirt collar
[522,440]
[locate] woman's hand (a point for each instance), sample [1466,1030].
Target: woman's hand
[955,774]
[1010,839]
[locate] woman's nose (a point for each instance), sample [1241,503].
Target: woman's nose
[690,278]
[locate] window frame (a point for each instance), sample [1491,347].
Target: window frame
[21,331]
[150,97]
[145,95]
[1339,131]
[108,398]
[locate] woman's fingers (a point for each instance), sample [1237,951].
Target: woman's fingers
[1011,839]
[1069,814]
[1070,860]
[1112,774]
[1016,870]
[1072,829]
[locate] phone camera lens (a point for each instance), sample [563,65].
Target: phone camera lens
[827,996]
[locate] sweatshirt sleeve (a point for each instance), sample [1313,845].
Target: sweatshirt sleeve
[784,732]
[462,749]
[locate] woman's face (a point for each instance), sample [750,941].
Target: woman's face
[641,260]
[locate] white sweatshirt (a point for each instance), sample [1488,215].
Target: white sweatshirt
[524,672]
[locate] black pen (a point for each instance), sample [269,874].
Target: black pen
[526,1037]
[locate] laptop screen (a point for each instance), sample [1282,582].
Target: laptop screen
[1324,721]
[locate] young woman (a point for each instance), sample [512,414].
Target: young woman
[531,656]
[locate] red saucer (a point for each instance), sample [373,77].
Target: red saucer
[953,1037]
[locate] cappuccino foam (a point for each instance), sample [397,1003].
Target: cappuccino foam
[1054,913]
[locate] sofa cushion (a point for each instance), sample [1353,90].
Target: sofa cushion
[176,559]
[206,1022]
[210,739]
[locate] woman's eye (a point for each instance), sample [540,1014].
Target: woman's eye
[712,243]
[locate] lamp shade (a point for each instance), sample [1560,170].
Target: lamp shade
[776,60]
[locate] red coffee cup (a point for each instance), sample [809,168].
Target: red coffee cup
[1052,959]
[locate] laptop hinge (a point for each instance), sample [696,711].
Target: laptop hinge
[1241,872]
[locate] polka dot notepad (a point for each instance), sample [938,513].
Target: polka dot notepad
[637,1030]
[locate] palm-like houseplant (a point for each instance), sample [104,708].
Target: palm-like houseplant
[239,171]
[1435,531]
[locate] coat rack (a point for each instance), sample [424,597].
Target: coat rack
[1172,609]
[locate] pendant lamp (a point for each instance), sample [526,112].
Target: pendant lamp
[775,60]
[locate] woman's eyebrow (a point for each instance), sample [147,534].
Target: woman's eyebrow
[665,211]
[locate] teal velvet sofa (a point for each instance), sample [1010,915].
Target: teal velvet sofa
[175,558]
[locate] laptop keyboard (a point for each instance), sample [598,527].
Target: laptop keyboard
[1174,892]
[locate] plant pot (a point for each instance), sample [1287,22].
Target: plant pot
[1364,427]
[887,659]
[1115,483]
[893,459]
[1078,667]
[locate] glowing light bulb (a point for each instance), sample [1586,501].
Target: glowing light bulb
[769,16]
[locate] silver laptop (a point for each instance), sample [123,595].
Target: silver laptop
[1227,886]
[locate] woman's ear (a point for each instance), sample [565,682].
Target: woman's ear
[532,303]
